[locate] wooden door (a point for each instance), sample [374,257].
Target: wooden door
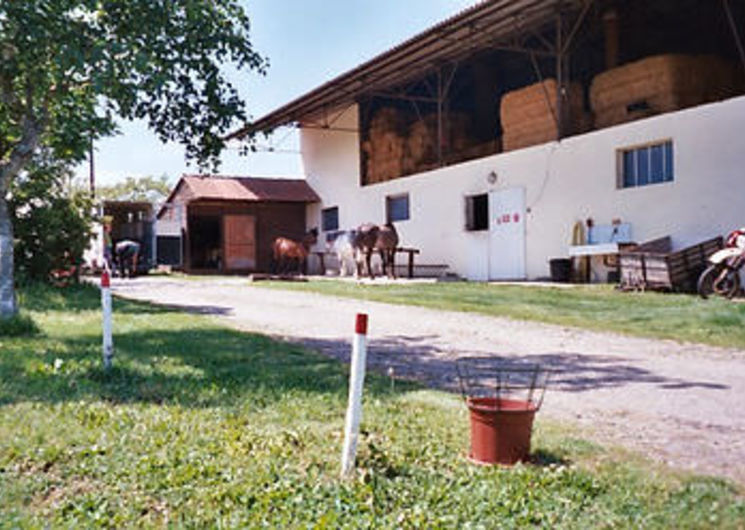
[507,234]
[239,237]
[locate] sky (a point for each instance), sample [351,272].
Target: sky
[307,42]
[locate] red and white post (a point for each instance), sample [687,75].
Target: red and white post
[108,342]
[354,408]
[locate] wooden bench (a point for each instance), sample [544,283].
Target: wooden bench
[411,252]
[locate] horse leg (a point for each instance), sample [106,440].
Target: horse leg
[342,264]
[382,262]
[368,259]
[357,264]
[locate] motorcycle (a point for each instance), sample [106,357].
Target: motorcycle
[722,276]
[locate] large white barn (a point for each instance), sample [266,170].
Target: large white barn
[489,137]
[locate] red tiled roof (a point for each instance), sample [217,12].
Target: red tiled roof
[253,189]
[217,187]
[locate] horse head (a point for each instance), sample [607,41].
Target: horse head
[310,238]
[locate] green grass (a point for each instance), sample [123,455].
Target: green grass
[678,317]
[201,426]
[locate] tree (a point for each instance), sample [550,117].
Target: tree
[51,218]
[68,68]
[150,189]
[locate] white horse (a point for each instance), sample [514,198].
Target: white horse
[342,246]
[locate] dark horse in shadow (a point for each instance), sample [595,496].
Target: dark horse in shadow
[370,237]
[285,251]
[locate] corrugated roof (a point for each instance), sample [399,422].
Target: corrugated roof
[490,24]
[252,189]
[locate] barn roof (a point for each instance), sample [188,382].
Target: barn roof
[490,24]
[251,189]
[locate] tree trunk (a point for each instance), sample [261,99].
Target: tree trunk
[16,160]
[8,306]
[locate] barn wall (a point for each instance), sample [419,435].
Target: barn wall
[273,219]
[566,181]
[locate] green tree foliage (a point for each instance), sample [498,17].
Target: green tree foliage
[52,220]
[68,68]
[151,189]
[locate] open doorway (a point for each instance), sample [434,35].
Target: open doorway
[205,242]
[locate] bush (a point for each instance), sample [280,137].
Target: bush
[51,220]
[18,326]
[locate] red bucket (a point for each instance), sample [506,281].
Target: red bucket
[500,429]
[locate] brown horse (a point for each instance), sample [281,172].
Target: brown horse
[386,244]
[284,250]
[370,237]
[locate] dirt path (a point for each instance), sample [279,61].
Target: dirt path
[682,404]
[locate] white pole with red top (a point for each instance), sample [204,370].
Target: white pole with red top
[108,342]
[356,381]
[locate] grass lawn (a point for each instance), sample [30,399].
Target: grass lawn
[598,307]
[201,426]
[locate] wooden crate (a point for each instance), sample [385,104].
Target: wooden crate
[671,271]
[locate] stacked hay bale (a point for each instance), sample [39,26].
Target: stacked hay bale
[528,114]
[384,147]
[478,150]
[421,141]
[662,83]
[421,145]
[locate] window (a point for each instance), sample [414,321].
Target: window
[649,164]
[397,208]
[477,212]
[330,219]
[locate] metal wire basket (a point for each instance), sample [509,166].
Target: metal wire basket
[504,385]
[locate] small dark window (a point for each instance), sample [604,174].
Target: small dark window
[651,164]
[477,212]
[330,219]
[397,208]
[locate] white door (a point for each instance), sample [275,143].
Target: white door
[507,234]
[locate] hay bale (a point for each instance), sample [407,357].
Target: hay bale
[661,83]
[386,119]
[527,114]
[478,150]
[384,148]
[421,141]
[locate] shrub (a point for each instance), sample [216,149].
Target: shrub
[51,220]
[18,326]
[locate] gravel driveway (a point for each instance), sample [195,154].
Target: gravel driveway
[681,404]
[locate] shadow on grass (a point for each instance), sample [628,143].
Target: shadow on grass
[78,297]
[546,458]
[192,367]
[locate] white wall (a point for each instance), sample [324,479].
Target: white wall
[566,181]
